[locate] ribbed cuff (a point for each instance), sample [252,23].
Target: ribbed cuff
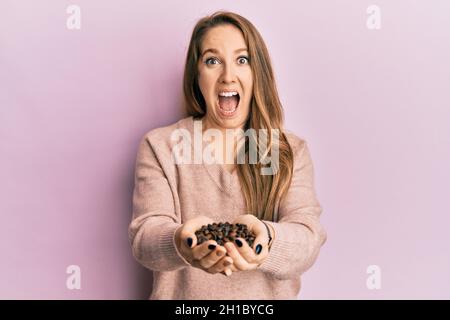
[279,252]
[168,247]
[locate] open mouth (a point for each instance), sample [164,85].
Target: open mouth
[228,102]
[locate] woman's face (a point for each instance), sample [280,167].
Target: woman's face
[225,77]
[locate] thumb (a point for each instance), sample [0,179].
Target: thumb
[262,237]
[187,234]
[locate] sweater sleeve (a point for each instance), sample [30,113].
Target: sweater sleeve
[298,232]
[154,222]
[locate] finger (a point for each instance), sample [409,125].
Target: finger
[261,235]
[200,251]
[221,265]
[256,227]
[187,237]
[187,254]
[231,267]
[245,250]
[187,233]
[213,257]
[238,260]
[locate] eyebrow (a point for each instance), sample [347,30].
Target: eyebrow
[212,50]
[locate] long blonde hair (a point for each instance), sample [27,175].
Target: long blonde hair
[262,193]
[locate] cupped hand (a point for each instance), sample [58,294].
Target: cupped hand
[208,256]
[246,257]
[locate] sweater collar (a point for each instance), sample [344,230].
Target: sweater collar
[226,181]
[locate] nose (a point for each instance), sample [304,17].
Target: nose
[228,73]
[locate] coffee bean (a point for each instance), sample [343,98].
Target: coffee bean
[223,232]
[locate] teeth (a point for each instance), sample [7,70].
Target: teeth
[228,112]
[228,94]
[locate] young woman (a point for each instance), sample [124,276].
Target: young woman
[228,86]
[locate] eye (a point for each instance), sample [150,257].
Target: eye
[211,60]
[243,60]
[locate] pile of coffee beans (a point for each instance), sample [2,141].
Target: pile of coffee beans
[224,232]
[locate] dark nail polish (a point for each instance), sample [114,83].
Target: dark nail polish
[211,246]
[238,242]
[258,249]
[189,242]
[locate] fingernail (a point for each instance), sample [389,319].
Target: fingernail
[189,242]
[211,246]
[258,249]
[219,253]
[238,242]
[226,263]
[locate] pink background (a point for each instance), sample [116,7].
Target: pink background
[374,106]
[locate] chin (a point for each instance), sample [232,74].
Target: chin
[236,122]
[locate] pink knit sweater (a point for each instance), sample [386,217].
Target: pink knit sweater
[167,194]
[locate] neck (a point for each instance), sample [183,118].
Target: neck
[230,140]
